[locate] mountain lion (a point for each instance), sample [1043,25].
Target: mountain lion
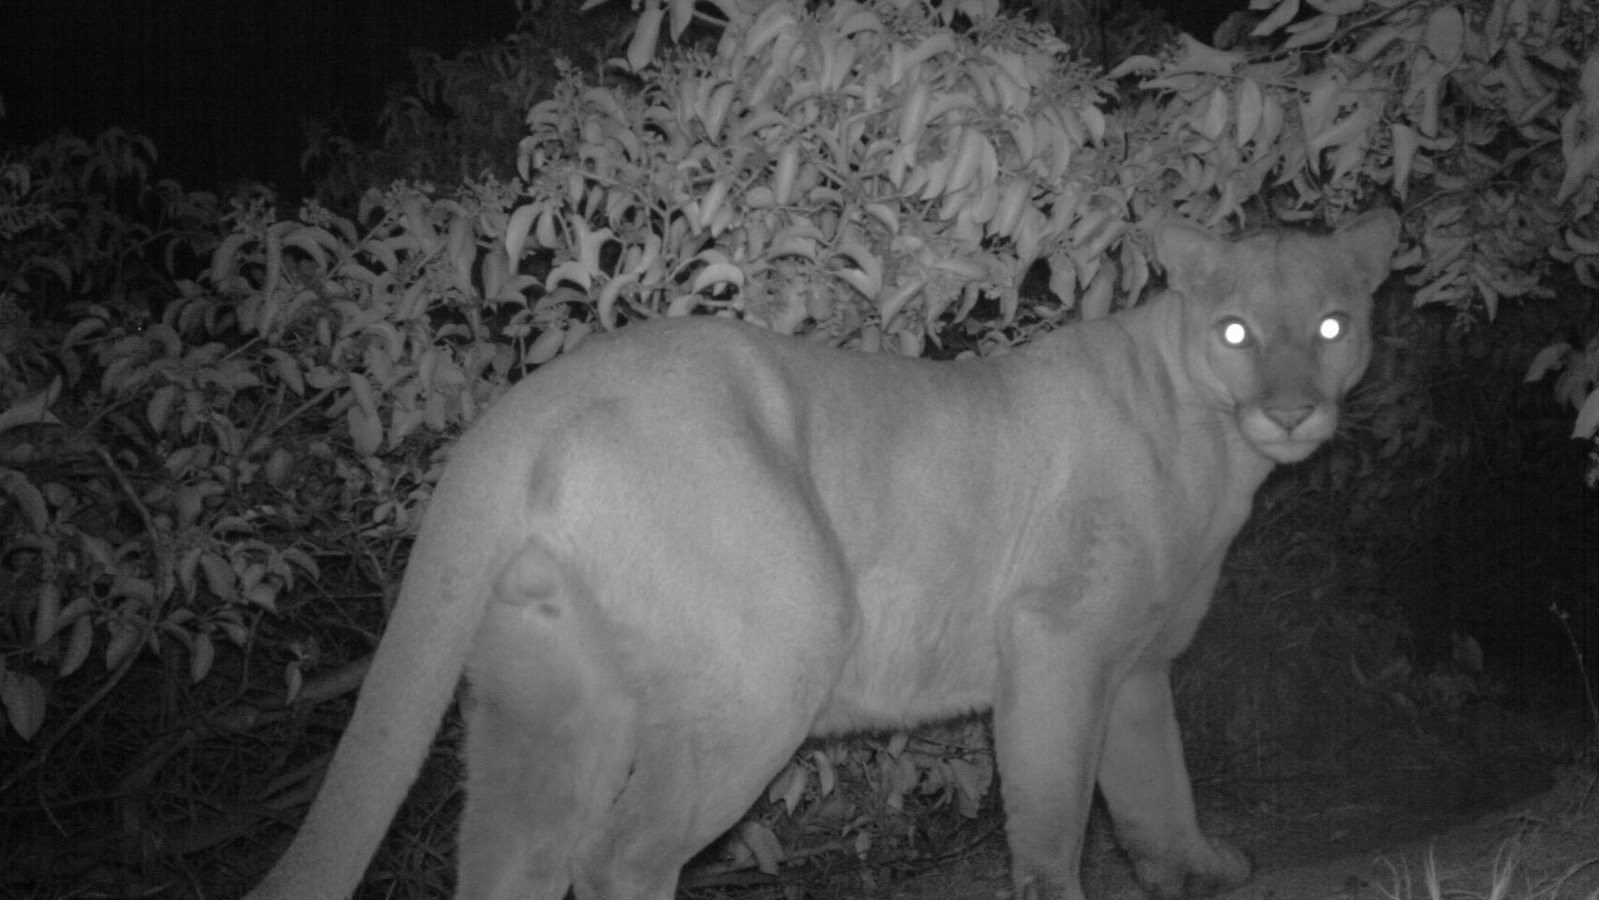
[663,562]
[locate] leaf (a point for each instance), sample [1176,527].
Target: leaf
[868,278]
[1282,15]
[252,574]
[160,407]
[1317,109]
[1214,121]
[81,332]
[861,19]
[28,497]
[312,240]
[1063,282]
[1446,33]
[33,410]
[203,653]
[139,591]
[966,160]
[418,226]
[1579,132]
[1346,130]
[366,430]
[1096,300]
[98,550]
[517,229]
[646,32]
[897,743]
[1405,142]
[1094,118]
[1580,146]
[825,775]
[889,307]
[902,779]
[970,786]
[1311,31]
[682,16]
[274,260]
[236,632]
[1548,359]
[940,41]
[78,646]
[789,787]
[264,595]
[361,390]
[293,680]
[1587,418]
[545,346]
[47,614]
[125,638]
[402,421]
[1348,157]
[462,248]
[717,273]
[1581,244]
[288,370]
[764,844]
[302,561]
[1493,30]
[1374,43]
[1271,125]
[24,699]
[1134,64]
[1251,106]
[222,259]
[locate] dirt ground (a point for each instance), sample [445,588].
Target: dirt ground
[1543,846]
[1508,816]
[1546,845]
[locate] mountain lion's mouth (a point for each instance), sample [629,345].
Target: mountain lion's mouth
[1288,445]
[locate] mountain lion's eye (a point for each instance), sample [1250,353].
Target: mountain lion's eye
[1333,327]
[1234,333]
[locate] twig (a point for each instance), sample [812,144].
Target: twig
[1582,667]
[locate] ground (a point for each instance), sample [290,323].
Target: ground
[1508,815]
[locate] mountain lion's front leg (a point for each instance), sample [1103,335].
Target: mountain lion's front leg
[1049,718]
[1145,784]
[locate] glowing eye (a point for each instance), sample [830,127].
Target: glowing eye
[1332,327]
[1234,333]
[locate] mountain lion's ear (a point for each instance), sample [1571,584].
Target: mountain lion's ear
[1370,239]
[1187,251]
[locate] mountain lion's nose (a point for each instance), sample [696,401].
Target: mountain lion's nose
[1289,416]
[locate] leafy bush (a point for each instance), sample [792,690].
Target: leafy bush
[85,247]
[463,117]
[165,485]
[865,173]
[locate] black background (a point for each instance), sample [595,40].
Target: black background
[223,87]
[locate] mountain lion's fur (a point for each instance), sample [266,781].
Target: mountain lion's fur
[666,560]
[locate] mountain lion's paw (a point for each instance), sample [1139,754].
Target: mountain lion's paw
[1215,867]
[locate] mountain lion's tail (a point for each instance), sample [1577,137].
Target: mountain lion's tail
[447,586]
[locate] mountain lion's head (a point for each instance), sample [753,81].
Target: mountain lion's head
[1278,324]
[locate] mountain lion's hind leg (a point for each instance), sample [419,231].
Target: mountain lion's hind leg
[550,735]
[706,748]
[721,708]
[687,787]
[1145,783]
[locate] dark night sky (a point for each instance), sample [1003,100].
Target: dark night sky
[222,86]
